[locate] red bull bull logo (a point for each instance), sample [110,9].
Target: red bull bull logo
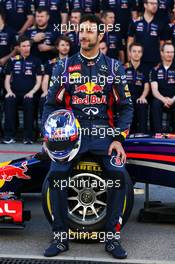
[89,88]
[8,172]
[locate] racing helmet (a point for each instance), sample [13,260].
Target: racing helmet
[62,135]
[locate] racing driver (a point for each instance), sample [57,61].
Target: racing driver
[94,88]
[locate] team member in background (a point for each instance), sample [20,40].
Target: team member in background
[162,80]
[7,45]
[112,36]
[138,82]
[58,10]
[137,9]
[103,47]
[87,6]
[73,30]
[8,38]
[123,13]
[43,36]
[92,102]
[23,80]
[63,45]
[150,33]
[19,14]
[165,10]
[171,32]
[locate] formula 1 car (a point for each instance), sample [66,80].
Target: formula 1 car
[148,158]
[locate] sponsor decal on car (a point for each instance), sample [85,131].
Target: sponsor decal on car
[11,208]
[8,172]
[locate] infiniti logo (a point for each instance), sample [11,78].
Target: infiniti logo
[91,110]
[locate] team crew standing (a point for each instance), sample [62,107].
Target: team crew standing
[23,80]
[149,23]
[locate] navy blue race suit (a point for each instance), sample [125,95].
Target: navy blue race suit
[92,101]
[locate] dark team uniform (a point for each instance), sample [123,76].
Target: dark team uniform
[122,10]
[7,40]
[114,43]
[49,66]
[55,8]
[50,38]
[166,87]
[75,44]
[48,69]
[23,78]
[87,6]
[136,79]
[165,8]
[149,36]
[171,33]
[138,6]
[1,96]
[17,11]
[92,103]
[7,43]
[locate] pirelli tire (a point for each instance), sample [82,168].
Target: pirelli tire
[87,206]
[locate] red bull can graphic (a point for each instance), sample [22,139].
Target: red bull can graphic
[8,172]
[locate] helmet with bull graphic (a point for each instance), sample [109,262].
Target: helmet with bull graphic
[62,137]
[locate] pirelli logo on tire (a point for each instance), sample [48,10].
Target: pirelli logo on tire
[88,166]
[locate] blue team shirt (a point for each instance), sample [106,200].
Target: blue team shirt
[50,38]
[55,8]
[149,36]
[23,73]
[17,11]
[136,79]
[165,79]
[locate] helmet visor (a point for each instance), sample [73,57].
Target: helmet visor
[60,145]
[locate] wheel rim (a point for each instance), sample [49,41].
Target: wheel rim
[87,199]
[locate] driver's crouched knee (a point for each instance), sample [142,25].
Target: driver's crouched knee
[116,178]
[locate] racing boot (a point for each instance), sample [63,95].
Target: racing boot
[114,247]
[56,247]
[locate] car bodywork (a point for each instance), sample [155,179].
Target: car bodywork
[149,160]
